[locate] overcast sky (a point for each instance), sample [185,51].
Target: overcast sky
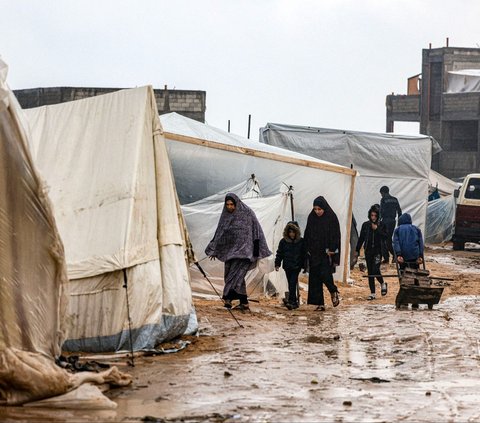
[327,63]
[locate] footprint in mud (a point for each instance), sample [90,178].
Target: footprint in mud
[322,340]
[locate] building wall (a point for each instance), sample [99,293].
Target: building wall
[452,119]
[185,102]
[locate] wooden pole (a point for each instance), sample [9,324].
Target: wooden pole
[249,122]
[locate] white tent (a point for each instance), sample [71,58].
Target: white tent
[207,160]
[401,162]
[110,181]
[444,185]
[32,274]
[271,211]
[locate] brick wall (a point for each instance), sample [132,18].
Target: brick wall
[188,103]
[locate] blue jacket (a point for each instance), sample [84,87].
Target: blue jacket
[407,239]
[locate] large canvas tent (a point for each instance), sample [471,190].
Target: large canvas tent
[400,162]
[110,181]
[32,276]
[207,160]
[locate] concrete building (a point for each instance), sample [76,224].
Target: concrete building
[188,103]
[450,115]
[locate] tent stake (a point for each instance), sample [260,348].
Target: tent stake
[216,292]
[125,285]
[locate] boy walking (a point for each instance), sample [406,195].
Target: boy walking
[291,255]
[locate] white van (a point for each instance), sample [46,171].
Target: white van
[467,216]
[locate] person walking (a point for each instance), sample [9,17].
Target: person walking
[323,242]
[372,238]
[239,242]
[389,209]
[291,255]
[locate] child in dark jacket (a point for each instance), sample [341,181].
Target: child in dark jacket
[372,238]
[408,243]
[291,252]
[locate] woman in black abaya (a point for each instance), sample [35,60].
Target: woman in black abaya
[322,237]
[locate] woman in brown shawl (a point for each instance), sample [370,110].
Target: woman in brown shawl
[322,236]
[239,242]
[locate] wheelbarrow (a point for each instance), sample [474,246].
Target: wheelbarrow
[416,287]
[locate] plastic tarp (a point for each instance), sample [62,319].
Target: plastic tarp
[463,81]
[32,274]
[207,160]
[271,212]
[444,185]
[440,220]
[400,162]
[110,180]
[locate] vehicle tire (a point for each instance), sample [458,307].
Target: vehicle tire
[458,245]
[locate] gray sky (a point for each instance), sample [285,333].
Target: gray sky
[326,63]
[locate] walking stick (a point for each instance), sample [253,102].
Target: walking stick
[216,292]
[125,285]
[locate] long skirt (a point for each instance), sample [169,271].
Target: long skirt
[319,275]
[235,287]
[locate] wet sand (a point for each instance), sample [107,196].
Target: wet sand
[361,361]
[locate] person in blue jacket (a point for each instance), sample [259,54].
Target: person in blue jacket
[408,243]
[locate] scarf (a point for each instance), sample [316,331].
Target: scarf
[238,235]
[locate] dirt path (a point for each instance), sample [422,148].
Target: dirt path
[362,361]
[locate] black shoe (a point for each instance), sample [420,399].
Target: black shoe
[384,289]
[335,298]
[320,308]
[227,303]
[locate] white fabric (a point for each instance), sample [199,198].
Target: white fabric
[444,185]
[400,162]
[105,161]
[463,81]
[201,171]
[32,262]
[271,213]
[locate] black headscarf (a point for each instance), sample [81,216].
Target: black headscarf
[238,235]
[322,233]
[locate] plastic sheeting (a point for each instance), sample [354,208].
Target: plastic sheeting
[400,162]
[32,264]
[110,180]
[440,220]
[272,213]
[463,81]
[207,160]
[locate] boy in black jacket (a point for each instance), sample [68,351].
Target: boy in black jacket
[372,237]
[291,251]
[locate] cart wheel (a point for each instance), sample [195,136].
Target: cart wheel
[430,306]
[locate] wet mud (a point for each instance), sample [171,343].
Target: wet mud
[361,361]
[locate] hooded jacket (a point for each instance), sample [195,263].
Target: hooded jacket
[372,240]
[291,253]
[407,239]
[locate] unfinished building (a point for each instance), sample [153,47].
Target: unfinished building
[188,103]
[445,100]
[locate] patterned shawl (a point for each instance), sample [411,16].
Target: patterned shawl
[238,235]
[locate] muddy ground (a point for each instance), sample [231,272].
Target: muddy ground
[361,361]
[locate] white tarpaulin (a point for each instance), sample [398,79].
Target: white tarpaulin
[463,81]
[271,212]
[444,185]
[32,275]
[110,181]
[400,162]
[207,160]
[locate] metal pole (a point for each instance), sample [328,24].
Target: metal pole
[125,285]
[228,125]
[249,122]
[292,210]
[216,292]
